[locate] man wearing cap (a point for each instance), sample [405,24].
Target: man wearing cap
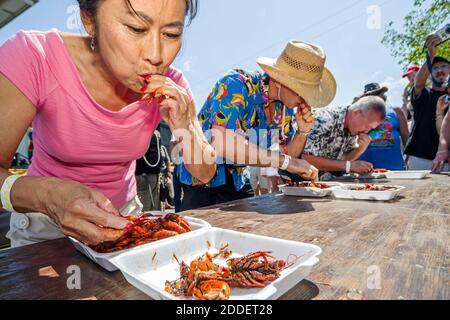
[255,111]
[424,140]
[340,135]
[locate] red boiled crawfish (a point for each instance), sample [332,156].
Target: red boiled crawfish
[144,229]
[205,280]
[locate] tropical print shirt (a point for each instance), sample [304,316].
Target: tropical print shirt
[329,139]
[237,103]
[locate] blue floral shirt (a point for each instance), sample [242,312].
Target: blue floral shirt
[237,103]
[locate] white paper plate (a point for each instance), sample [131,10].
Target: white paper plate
[412,175]
[344,192]
[148,268]
[308,191]
[371,175]
[103,259]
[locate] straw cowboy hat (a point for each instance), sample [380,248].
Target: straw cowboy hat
[301,68]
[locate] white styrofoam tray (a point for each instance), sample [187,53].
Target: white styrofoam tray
[370,175]
[104,259]
[344,192]
[148,268]
[309,191]
[412,175]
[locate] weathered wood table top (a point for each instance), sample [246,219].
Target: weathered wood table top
[371,250]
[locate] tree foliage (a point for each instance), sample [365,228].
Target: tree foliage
[426,17]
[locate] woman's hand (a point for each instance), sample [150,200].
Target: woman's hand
[304,118]
[173,99]
[303,168]
[80,211]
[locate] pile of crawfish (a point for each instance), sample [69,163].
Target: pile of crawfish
[372,187]
[206,280]
[312,184]
[379,171]
[144,229]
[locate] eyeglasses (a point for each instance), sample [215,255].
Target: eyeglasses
[441,67]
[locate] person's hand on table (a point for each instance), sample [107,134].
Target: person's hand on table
[439,162]
[303,168]
[361,167]
[80,211]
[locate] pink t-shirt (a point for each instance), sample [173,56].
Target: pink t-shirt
[74,137]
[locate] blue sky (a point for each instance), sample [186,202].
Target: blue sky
[231,34]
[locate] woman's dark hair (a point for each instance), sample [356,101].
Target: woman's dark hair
[90,6]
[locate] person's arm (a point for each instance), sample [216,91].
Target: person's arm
[178,110]
[444,144]
[403,123]
[440,113]
[364,141]
[439,120]
[240,151]
[305,123]
[324,164]
[198,148]
[296,146]
[424,73]
[77,209]
[354,154]
[443,154]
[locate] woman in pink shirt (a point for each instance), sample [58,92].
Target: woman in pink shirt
[84,97]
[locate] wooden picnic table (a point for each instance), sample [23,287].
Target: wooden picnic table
[371,250]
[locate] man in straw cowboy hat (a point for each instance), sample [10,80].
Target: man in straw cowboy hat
[340,135]
[248,113]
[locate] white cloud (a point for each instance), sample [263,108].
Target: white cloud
[374,76]
[396,86]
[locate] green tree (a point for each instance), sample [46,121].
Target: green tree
[408,45]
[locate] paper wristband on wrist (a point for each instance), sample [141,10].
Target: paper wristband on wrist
[5,192]
[285,164]
[348,166]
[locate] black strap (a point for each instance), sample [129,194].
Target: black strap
[430,68]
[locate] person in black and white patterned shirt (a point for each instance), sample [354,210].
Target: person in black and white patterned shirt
[340,135]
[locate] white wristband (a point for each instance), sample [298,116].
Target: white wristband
[5,192]
[348,166]
[285,164]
